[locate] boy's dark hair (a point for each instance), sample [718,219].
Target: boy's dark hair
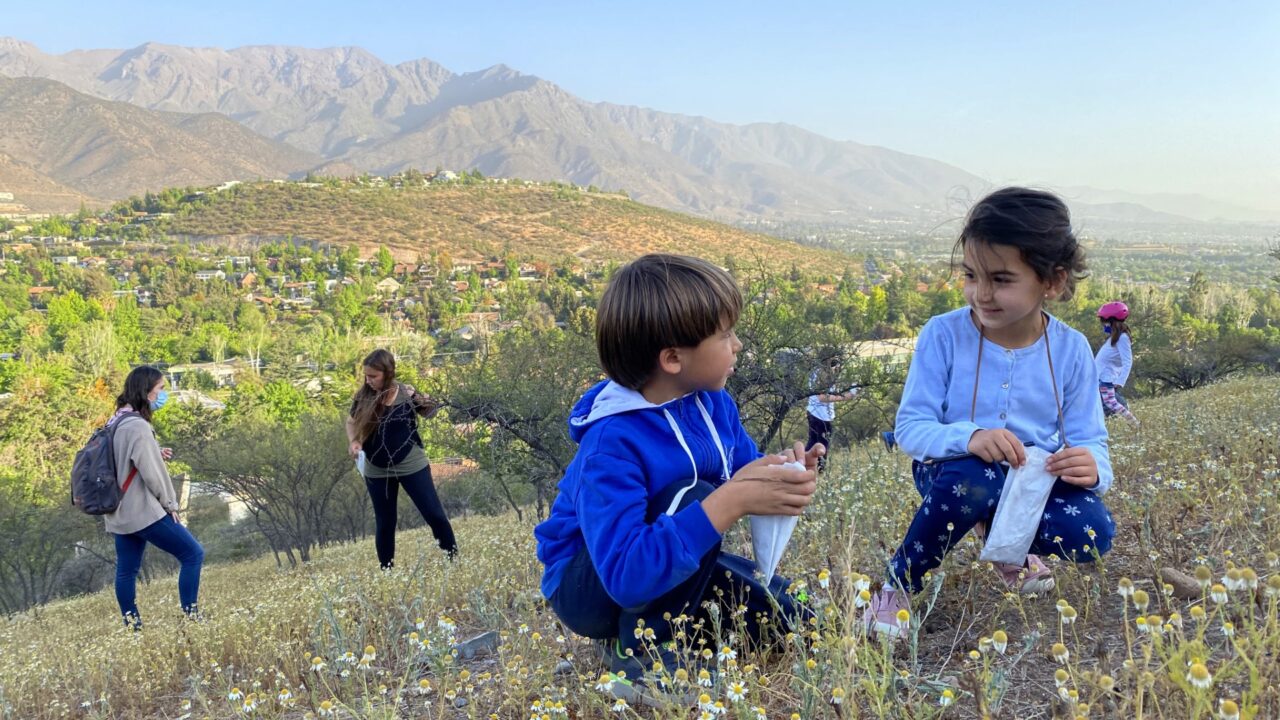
[137,386]
[1034,221]
[656,302]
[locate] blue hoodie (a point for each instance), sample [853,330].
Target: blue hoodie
[629,450]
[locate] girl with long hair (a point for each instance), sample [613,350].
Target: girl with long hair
[383,424]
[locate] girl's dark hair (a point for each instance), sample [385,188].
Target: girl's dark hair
[137,386]
[369,406]
[1118,328]
[1034,221]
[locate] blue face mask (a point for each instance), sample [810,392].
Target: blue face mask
[1106,329]
[162,397]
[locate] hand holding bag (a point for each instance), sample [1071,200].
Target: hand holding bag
[1022,501]
[770,535]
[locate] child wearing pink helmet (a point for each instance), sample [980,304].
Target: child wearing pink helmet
[1114,360]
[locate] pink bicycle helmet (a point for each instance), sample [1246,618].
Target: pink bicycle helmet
[1114,311]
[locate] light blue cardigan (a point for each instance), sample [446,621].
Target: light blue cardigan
[1014,392]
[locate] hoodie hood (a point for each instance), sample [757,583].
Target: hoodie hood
[606,399]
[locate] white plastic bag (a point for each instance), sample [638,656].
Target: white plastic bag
[1018,514]
[360,463]
[770,535]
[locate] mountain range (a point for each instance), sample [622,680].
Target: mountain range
[342,110]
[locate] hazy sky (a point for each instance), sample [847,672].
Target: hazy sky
[1142,96]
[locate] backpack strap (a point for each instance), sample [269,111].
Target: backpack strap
[114,424]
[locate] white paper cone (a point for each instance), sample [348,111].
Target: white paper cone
[360,463]
[1021,507]
[770,535]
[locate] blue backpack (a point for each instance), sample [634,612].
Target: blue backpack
[94,488]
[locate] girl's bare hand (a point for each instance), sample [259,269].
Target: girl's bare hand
[1074,465]
[998,445]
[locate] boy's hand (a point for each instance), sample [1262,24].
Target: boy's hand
[767,467]
[1074,465]
[812,456]
[998,445]
[795,453]
[809,457]
[763,487]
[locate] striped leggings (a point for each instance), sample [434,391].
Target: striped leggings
[1113,403]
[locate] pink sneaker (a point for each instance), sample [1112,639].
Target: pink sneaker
[1031,578]
[881,615]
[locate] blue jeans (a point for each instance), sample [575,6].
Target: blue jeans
[965,491]
[171,537]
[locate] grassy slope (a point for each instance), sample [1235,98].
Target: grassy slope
[473,221]
[1195,485]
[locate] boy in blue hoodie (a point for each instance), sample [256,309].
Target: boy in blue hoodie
[664,467]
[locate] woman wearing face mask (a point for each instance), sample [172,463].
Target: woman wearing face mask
[148,511]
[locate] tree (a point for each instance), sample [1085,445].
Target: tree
[97,285]
[253,334]
[386,263]
[1193,364]
[288,477]
[781,355]
[56,226]
[67,312]
[94,349]
[522,387]
[36,542]
[1273,252]
[284,403]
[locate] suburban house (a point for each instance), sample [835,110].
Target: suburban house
[223,373]
[196,397]
[387,287]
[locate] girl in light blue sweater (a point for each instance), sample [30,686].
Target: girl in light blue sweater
[991,378]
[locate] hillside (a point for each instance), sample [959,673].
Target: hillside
[37,192]
[545,222]
[282,634]
[112,150]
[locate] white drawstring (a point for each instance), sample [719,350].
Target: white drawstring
[715,437]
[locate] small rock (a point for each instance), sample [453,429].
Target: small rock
[1185,587]
[482,644]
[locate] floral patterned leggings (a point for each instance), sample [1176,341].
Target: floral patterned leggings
[959,493]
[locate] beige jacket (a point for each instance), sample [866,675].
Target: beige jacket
[151,495]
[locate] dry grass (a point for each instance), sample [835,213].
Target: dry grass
[541,222]
[1195,489]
